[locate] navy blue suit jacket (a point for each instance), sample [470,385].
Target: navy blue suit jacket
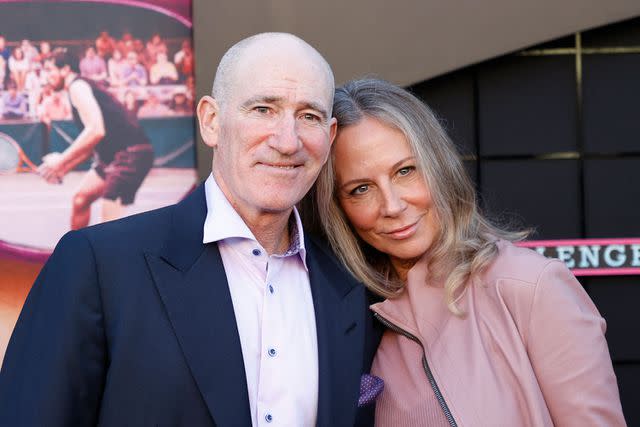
[130,323]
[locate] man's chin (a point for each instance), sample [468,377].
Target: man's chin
[277,208]
[277,204]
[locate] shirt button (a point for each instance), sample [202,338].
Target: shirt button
[268,418]
[271,289]
[272,352]
[256,252]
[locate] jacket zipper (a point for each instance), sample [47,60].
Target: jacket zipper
[425,365]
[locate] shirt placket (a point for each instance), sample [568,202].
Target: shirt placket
[270,388]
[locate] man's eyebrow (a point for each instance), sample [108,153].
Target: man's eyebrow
[261,99]
[311,105]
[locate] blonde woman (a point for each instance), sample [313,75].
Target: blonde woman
[478,331]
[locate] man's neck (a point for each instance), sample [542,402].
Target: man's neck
[271,229]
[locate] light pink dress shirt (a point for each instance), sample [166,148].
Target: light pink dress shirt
[274,312]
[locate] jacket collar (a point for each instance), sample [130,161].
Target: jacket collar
[184,241]
[420,309]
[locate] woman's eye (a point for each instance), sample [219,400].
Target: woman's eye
[406,170]
[361,189]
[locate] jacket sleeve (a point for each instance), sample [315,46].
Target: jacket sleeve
[53,371]
[569,353]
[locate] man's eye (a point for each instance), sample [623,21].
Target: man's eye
[311,117]
[361,189]
[261,109]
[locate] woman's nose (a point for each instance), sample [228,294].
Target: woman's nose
[393,204]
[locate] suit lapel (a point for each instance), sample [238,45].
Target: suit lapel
[192,284]
[339,305]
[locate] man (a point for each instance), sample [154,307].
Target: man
[123,154]
[93,66]
[105,44]
[54,106]
[163,72]
[133,72]
[14,104]
[184,60]
[218,310]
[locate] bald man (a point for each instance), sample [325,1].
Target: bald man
[218,310]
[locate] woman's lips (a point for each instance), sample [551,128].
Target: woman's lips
[403,232]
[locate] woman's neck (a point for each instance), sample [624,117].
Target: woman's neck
[401,267]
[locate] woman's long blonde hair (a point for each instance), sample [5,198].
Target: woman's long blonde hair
[465,244]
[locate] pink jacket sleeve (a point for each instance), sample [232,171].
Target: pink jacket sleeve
[569,353]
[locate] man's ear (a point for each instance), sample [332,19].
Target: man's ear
[333,128]
[208,118]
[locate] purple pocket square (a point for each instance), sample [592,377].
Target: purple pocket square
[370,387]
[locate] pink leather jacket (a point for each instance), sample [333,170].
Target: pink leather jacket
[530,351]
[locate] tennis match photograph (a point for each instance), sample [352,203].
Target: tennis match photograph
[96,123]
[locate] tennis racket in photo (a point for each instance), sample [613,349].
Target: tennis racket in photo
[12,157]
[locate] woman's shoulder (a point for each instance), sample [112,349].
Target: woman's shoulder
[520,264]
[523,278]
[526,283]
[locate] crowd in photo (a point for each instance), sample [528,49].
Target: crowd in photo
[152,79]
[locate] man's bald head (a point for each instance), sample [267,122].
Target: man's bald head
[260,45]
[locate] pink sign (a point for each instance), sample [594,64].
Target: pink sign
[592,257]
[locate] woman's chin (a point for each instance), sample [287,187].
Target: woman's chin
[406,250]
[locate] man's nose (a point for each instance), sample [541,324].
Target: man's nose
[286,140]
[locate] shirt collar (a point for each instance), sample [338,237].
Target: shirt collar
[223,222]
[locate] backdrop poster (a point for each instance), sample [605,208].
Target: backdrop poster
[140,54]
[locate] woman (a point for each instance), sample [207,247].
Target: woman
[478,332]
[18,67]
[115,66]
